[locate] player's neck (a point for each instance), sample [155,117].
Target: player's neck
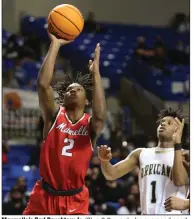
[75,115]
[165,144]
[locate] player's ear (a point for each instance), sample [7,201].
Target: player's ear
[87,102]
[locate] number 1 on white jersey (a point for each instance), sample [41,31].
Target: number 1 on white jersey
[153,184]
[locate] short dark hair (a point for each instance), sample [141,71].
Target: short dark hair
[170,112]
[84,79]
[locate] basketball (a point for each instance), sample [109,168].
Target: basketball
[65,22]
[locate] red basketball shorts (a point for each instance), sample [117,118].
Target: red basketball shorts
[43,203]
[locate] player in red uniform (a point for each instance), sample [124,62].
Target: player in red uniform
[69,134]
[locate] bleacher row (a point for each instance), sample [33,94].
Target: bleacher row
[117,45]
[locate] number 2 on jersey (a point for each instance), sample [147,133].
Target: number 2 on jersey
[153,184]
[67,147]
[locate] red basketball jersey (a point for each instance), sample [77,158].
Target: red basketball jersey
[66,152]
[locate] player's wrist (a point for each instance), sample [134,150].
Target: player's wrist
[95,73]
[55,44]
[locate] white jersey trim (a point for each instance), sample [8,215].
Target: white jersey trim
[90,133]
[140,155]
[71,121]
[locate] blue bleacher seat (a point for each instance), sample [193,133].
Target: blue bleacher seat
[17,170]
[113,204]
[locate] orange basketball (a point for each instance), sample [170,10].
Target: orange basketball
[65,22]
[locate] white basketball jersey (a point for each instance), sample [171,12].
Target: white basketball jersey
[155,180]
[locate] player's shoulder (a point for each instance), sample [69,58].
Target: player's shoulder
[137,152]
[143,151]
[135,155]
[87,117]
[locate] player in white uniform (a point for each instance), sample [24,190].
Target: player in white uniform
[162,173]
